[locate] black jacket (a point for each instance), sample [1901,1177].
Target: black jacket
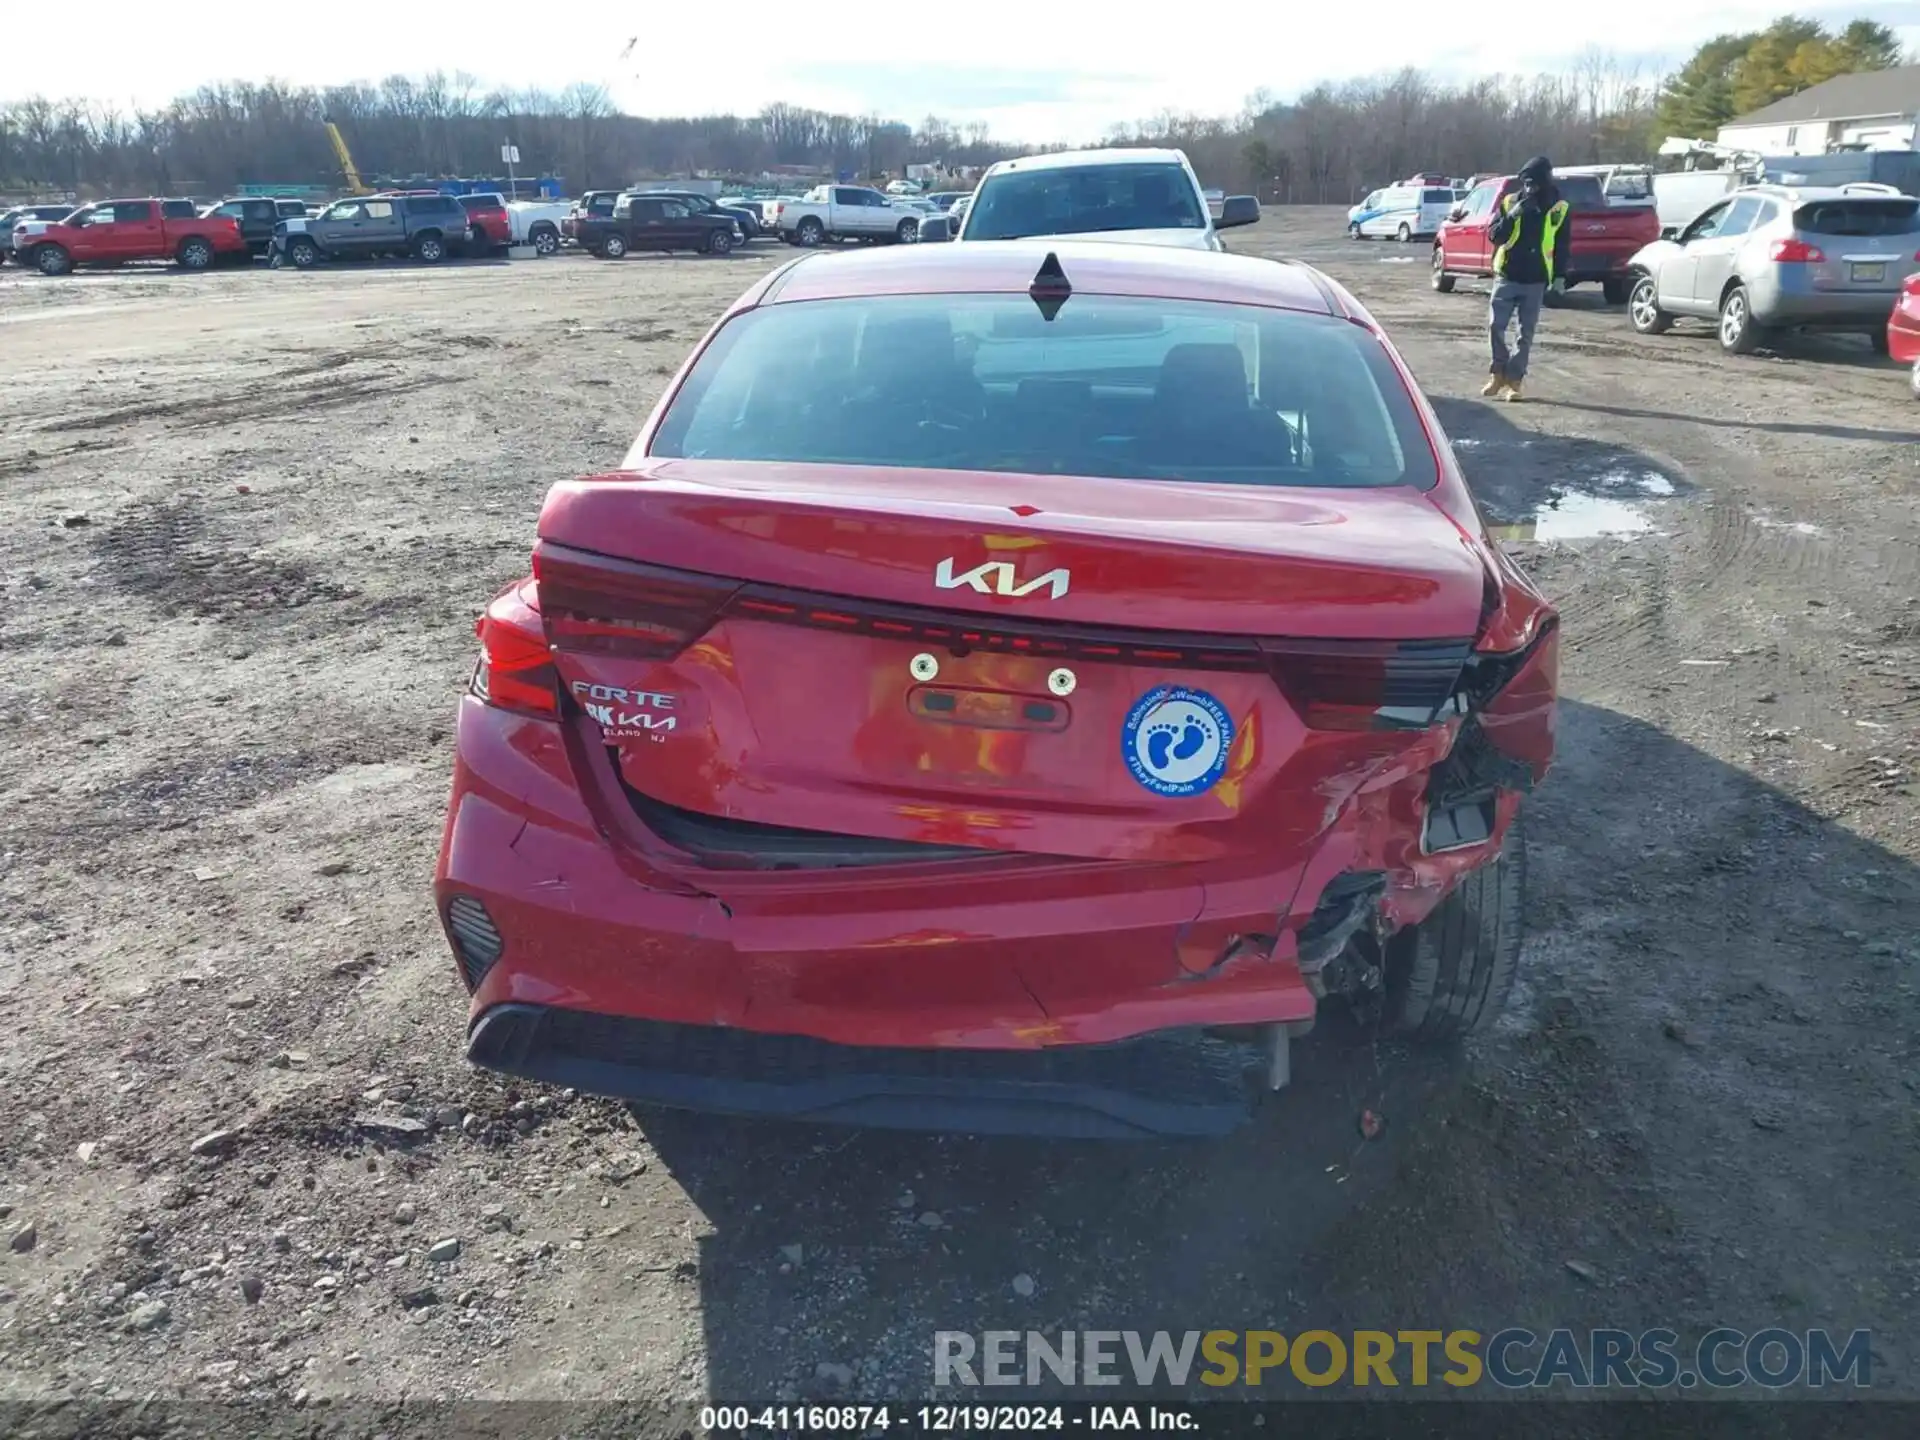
[1518,225]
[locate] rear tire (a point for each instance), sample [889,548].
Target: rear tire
[907,232]
[429,249]
[1441,281]
[1877,339]
[1643,308]
[1739,335]
[1913,380]
[612,248]
[51,260]
[810,232]
[545,240]
[1450,975]
[194,254]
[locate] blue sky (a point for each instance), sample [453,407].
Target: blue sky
[1061,71]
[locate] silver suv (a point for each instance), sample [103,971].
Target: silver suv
[1778,257]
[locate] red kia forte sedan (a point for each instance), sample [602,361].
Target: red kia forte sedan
[1006,688]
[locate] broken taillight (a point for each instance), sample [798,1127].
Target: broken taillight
[600,605]
[516,671]
[1365,685]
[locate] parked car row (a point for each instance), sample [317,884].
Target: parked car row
[1757,260]
[1770,258]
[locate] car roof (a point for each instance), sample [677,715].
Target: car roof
[1094,266]
[1066,159]
[1803,194]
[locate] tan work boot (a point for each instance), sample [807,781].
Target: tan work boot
[1512,390]
[1496,382]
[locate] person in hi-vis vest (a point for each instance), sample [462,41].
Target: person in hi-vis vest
[1530,254]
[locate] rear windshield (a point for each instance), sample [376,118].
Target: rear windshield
[482,202]
[1858,217]
[1112,386]
[1085,199]
[1581,192]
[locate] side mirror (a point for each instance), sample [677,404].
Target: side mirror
[1669,232]
[935,229]
[1458,212]
[1238,210]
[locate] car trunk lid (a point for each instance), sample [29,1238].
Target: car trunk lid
[989,662]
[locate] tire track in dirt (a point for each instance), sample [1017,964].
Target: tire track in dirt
[162,552]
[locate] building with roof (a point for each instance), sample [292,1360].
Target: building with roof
[1873,110]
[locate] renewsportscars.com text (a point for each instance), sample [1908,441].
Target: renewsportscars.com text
[1512,1359]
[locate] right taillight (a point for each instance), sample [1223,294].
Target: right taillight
[599,605]
[1794,251]
[1361,685]
[516,670]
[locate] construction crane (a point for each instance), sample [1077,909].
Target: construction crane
[355,186]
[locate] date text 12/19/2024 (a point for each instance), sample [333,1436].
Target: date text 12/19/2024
[938,1419]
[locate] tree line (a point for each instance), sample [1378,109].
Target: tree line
[1734,75]
[1329,144]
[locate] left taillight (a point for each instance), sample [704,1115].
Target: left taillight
[516,670]
[600,605]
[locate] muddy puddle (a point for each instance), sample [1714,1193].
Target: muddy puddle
[1551,489]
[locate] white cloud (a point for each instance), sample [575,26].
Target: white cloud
[900,57]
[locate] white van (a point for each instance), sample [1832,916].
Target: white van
[1680,196]
[1408,212]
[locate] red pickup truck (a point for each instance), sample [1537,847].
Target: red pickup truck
[114,232]
[1603,237]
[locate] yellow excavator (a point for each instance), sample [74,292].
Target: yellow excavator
[355,186]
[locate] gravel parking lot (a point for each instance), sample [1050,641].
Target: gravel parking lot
[247,521]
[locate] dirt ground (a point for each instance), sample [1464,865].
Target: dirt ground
[246,521]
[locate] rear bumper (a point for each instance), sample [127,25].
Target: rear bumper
[1183,1085]
[1801,307]
[996,954]
[925,994]
[1590,267]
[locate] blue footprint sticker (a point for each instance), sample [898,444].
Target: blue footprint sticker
[1175,741]
[1162,747]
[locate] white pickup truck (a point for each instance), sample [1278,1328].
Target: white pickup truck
[847,212]
[537,223]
